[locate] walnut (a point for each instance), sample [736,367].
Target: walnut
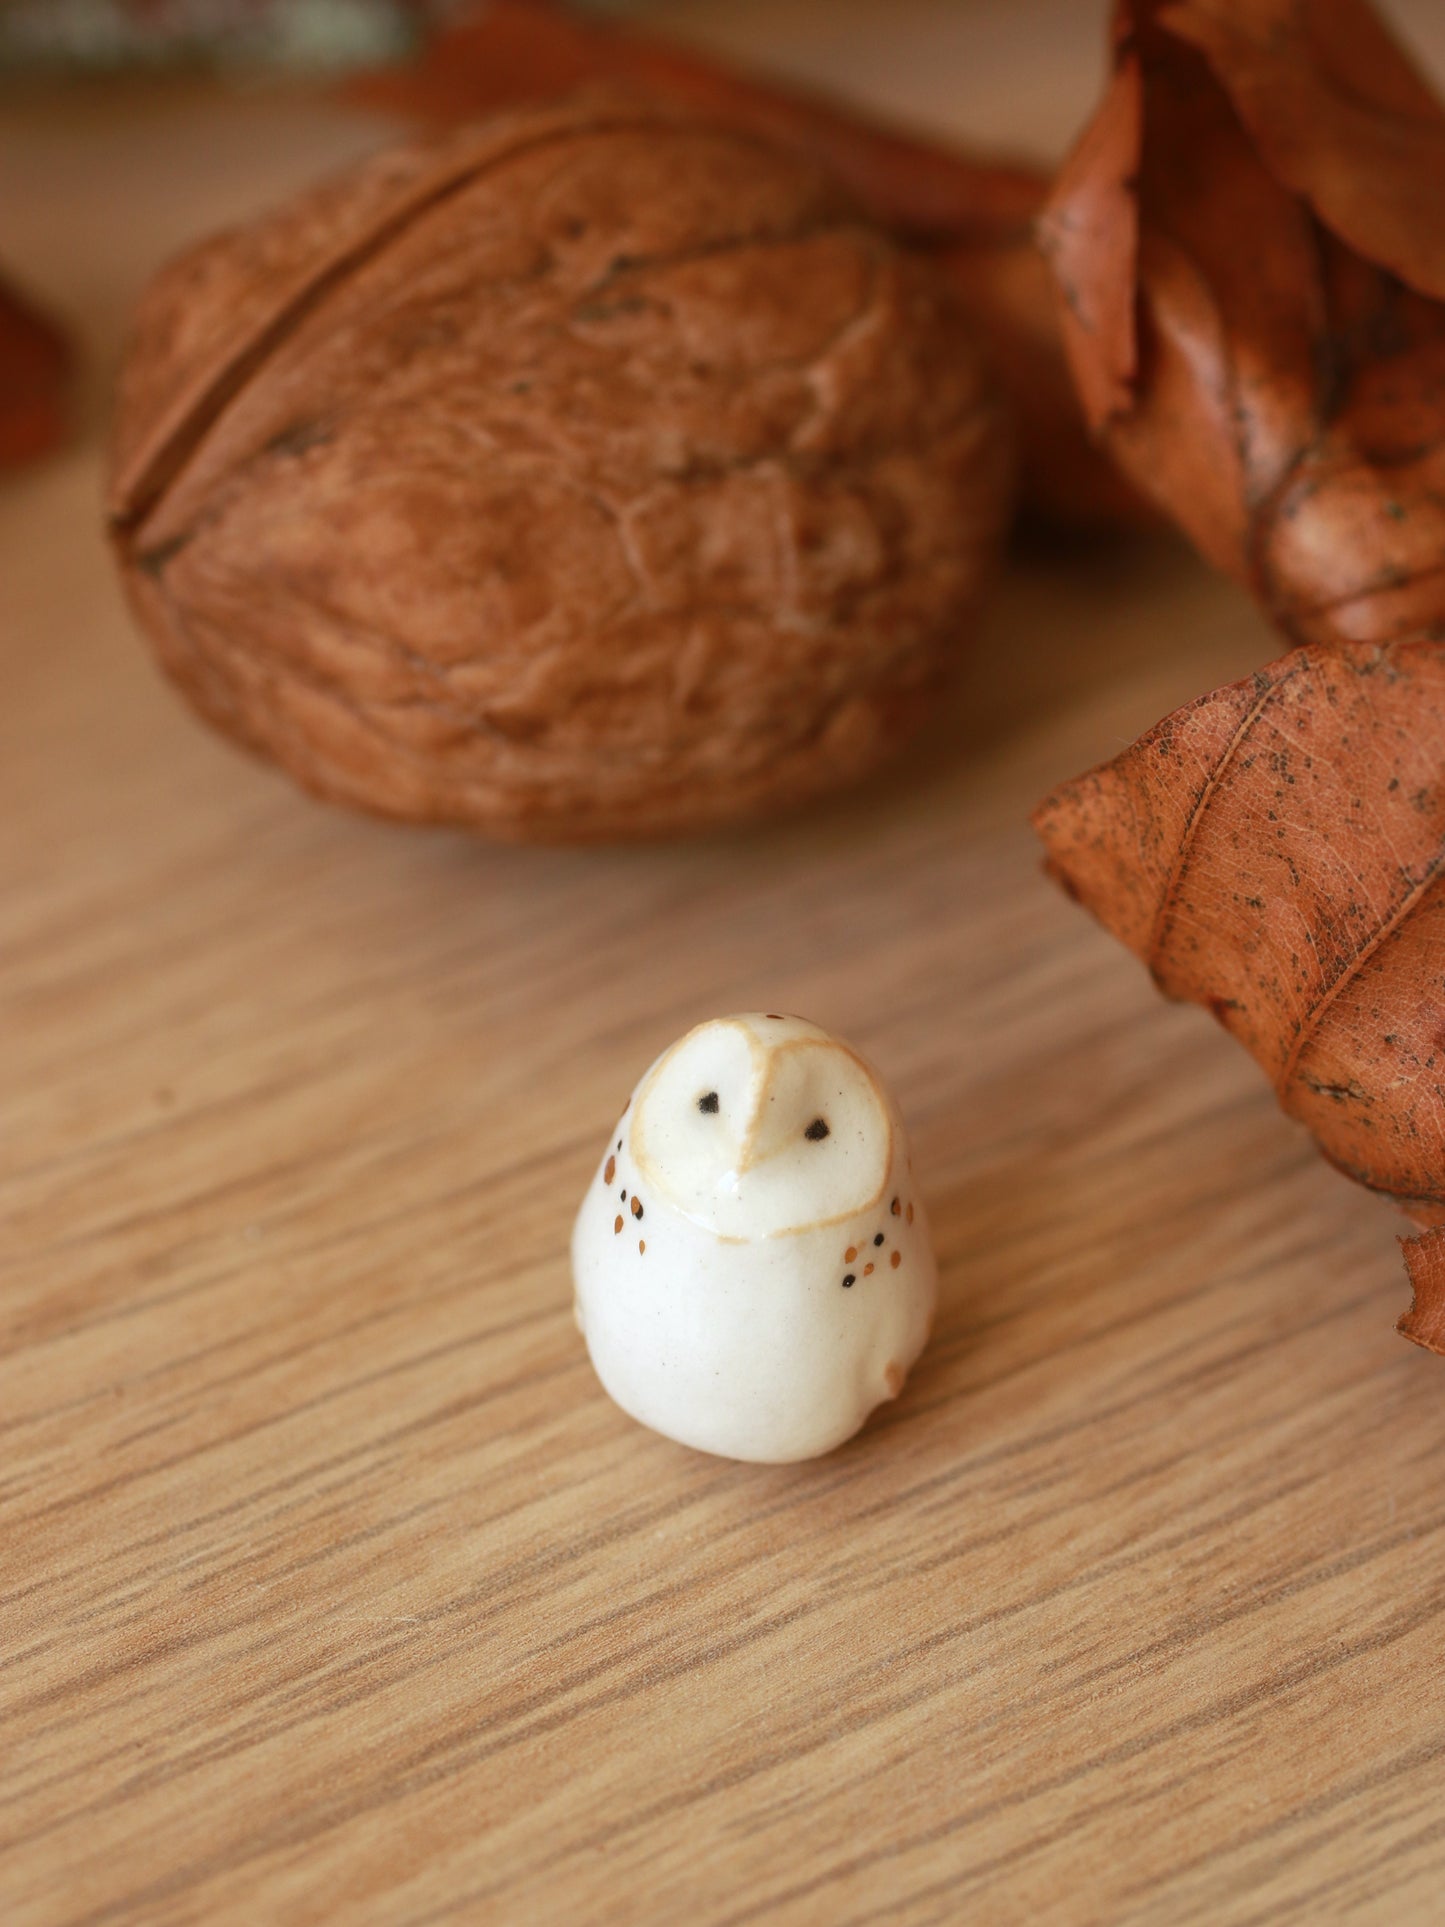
[588,473]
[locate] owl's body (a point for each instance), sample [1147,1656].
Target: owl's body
[752,1262]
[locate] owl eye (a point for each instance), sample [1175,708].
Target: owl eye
[817,1130]
[708,1101]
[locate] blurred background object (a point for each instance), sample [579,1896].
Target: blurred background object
[46,35]
[34,363]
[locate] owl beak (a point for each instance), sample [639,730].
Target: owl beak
[756,1148]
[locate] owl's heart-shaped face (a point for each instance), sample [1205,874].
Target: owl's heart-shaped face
[759,1126]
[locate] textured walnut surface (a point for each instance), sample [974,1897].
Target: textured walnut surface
[588,473]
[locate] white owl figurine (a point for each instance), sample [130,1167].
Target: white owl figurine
[752,1262]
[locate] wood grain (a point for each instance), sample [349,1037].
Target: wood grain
[331,1586]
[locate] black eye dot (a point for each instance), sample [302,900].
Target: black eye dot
[879,1239]
[708,1101]
[849,1280]
[817,1130]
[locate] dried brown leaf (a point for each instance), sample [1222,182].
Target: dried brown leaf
[1274,852]
[1250,245]
[1424,1323]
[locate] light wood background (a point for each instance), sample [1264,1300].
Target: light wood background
[331,1586]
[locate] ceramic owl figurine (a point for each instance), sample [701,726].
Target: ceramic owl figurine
[752,1262]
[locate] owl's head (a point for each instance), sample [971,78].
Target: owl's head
[759,1125]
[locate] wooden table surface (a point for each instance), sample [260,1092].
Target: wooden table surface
[331,1586]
